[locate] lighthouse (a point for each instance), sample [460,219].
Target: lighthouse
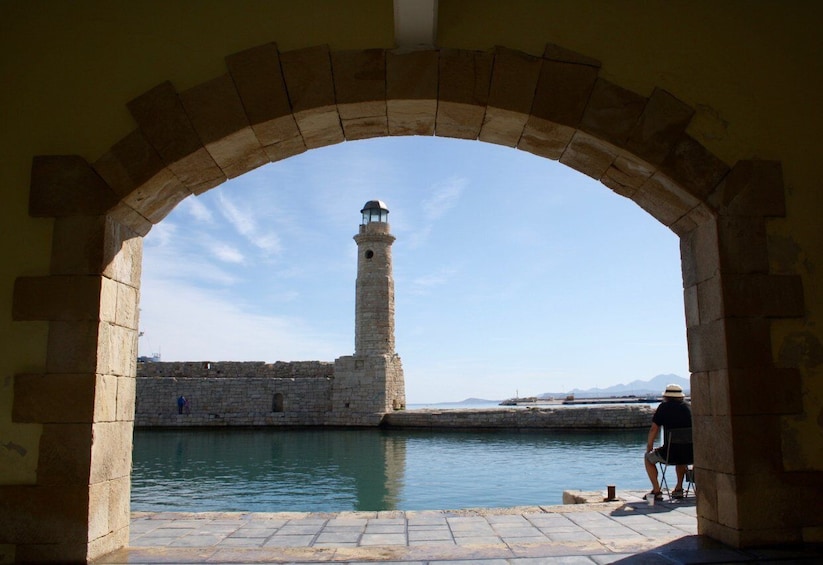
[374,304]
[370,382]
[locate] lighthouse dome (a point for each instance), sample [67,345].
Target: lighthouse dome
[375,211]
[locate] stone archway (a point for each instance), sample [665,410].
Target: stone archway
[272,105]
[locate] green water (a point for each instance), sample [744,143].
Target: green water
[273,470]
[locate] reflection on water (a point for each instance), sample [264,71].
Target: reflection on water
[275,470]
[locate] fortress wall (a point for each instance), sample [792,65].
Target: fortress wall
[234,393]
[589,417]
[243,394]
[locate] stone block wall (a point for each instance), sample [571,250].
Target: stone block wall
[234,393]
[625,416]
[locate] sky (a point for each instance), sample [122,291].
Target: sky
[514,275]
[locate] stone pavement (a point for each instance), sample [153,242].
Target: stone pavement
[624,531]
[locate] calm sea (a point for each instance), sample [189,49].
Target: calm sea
[332,470]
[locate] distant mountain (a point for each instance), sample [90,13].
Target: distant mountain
[654,386]
[475,401]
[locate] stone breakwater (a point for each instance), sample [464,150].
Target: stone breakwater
[317,393]
[624,416]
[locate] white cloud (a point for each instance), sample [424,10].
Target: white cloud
[186,323]
[197,210]
[423,284]
[445,196]
[246,224]
[227,253]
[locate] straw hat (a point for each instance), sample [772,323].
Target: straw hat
[674,391]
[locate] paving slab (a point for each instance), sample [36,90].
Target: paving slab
[627,530]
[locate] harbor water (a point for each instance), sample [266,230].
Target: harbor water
[334,470]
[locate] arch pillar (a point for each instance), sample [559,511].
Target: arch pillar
[78,508]
[739,394]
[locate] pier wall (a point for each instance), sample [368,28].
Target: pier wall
[624,416]
[303,393]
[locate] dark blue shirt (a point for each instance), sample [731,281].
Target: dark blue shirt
[671,415]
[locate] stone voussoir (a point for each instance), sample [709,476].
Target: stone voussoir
[163,120]
[511,95]
[360,91]
[310,84]
[463,95]
[217,114]
[411,91]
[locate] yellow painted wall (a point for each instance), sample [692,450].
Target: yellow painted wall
[753,71]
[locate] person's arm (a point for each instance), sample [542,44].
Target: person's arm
[652,436]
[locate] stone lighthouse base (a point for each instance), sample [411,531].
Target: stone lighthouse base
[367,385]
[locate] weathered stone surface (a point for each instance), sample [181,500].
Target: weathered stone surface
[217,114]
[411,92]
[54,398]
[111,451]
[691,307]
[167,127]
[664,199]
[765,390]
[57,298]
[696,217]
[691,166]
[625,175]
[752,188]
[743,244]
[72,347]
[309,82]
[66,185]
[123,254]
[748,343]
[78,243]
[126,390]
[710,299]
[589,155]
[108,507]
[259,80]
[511,94]
[240,393]
[131,163]
[564,87]
[545,138]
[360,90]
[760,294]
[707,347]
[464,82]
[45,514]
[612,112]
[600,417]
[117,350]
[130,218]
[662,123]
[64,454]
[285,149]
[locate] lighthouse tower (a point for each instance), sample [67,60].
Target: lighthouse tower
[370,382]
[374,310]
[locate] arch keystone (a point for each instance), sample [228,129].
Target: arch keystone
[411,92]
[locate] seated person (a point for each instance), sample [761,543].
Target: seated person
[673,413]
